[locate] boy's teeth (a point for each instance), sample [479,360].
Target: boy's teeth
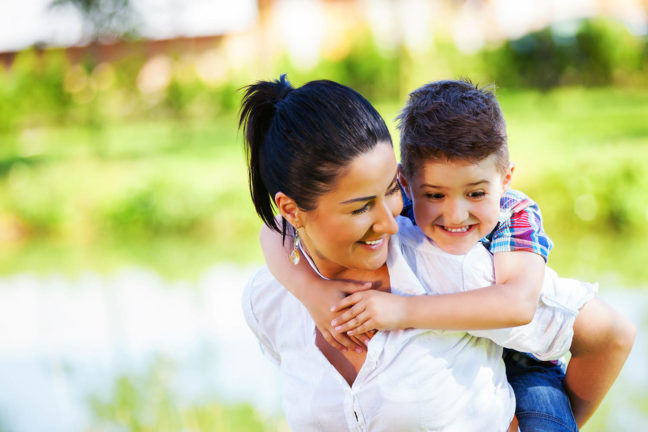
[458,230]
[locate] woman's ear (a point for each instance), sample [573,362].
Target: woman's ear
[403,181]
[288,209]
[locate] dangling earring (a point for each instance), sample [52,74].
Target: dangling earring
[295,256]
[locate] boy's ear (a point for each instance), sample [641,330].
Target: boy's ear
[508,176]
[288,209]
[403,181]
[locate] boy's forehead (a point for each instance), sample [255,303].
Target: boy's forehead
[453,170]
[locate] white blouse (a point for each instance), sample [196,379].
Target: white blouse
[411,380]
[548,336]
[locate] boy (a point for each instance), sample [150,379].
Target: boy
[456,171]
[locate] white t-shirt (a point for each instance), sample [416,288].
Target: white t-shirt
[412,380]
[548,336]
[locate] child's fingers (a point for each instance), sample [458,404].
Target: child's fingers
[346,302]
[348,315]
[361,329]
[353,324]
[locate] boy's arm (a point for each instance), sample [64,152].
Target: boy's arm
[511,302]
[520,249]
[317,294]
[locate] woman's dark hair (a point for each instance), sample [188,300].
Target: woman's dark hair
[297,140]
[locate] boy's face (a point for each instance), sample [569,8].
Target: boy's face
[456,203]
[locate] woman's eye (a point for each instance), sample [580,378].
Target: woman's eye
[362,209]
[395,189]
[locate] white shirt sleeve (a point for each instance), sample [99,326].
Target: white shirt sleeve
[251,297]
[549,334]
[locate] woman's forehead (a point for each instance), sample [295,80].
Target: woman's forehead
[370,173]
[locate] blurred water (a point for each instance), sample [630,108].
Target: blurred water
[63,340]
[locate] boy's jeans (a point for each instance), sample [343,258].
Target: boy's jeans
[541,402]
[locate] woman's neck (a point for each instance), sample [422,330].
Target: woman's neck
[379,276]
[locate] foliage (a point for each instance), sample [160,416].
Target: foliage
[42,87]
[149,402]
[375,74]
[589,52]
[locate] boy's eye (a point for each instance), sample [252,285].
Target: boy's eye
[477,194]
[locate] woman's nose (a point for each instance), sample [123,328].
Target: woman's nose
[385,222]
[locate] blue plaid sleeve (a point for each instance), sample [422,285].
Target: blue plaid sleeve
[519,227]
[408,209]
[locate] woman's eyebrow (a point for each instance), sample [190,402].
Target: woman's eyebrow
[367,198]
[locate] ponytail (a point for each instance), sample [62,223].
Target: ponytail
[257,111]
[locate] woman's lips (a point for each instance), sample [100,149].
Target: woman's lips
[373,244]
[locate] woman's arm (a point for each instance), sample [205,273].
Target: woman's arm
[315,293]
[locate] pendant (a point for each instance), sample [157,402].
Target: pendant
[294,256]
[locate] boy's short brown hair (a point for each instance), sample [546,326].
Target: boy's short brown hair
[451,120]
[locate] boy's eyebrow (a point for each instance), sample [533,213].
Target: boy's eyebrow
[367,198]
[478,182]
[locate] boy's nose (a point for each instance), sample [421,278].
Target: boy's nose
[456,213]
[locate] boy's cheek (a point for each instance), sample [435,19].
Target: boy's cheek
[425,221]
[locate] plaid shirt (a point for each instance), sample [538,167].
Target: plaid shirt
[519,227]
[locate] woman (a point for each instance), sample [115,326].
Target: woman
[323,156]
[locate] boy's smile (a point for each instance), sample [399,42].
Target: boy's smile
[457,203]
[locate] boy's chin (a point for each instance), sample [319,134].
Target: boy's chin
[454,248]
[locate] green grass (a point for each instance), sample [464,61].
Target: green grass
[173,195]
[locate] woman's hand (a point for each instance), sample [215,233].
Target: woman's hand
[319,304]
[369,310]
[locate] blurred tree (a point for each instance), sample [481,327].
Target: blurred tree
[104,20]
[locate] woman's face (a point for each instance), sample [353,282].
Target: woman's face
[351,225]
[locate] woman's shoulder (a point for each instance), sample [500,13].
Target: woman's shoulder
[263,293]
[267,305]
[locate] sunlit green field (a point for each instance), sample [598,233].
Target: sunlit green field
[173,196]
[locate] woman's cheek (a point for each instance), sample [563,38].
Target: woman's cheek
[396,204]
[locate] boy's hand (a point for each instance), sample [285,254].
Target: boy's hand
[369,310]
[325,294]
